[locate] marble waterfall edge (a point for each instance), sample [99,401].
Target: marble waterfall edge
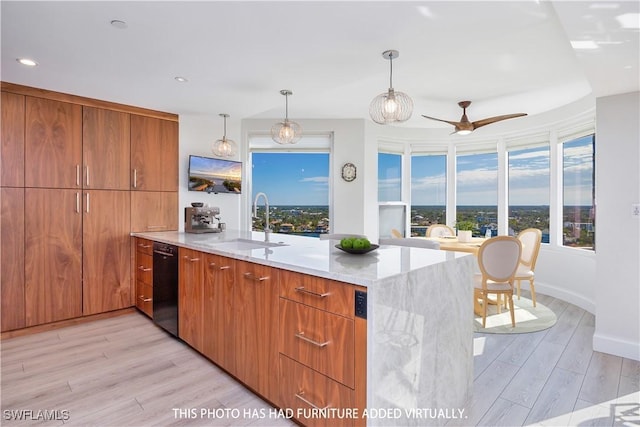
[420,348]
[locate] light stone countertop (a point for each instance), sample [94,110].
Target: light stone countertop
[310,255]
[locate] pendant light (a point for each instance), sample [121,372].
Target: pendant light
[287,131]
[224,147]
[391,106]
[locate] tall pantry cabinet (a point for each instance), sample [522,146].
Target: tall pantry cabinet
[66,206]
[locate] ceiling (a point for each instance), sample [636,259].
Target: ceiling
[506,57]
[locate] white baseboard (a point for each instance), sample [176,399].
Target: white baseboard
[616,346]
[563,294]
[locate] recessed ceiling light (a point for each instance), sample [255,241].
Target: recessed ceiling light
[121,25]
[583,44]
[27,61]
[181,79]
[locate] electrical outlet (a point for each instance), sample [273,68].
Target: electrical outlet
[635,209]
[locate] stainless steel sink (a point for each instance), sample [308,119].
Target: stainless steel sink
[244,244]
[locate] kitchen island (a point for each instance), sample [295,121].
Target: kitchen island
[419,355]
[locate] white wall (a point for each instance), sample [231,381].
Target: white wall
[348,198]
[197,133]
[618,232]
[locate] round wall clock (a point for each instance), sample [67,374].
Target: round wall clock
[349,172]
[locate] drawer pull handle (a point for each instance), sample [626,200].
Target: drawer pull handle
[191,259]
[156,227]
[315,294]
[225,267]
[252,276]
[299,396]
[142,268]
[144,299]
[310,341]
[142,245]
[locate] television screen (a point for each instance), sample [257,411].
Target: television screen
[214,175]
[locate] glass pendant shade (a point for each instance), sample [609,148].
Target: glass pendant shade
[287,131]
[391,106]
[224,147]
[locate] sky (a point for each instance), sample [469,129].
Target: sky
[302,178]
[291,178]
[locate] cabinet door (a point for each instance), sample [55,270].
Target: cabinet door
[106,261]
[154,154]
[219,278]
[106,149]
[12,258]
[190,297]
[53,252]
[53,143]
[154,211]
[303,390]
[256,320]
[318,339]
[12,144]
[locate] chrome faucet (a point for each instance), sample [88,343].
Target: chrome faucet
[267,230]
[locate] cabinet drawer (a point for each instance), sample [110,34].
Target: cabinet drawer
[144,268]
[329,295]
[320,340]
[303,390]
[144,298]
[144,246]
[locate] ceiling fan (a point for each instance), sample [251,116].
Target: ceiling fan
[465,127]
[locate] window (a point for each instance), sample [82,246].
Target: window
[529,190]
[296,181]
[428,192]
[578,213]
[477,191]
[389,177]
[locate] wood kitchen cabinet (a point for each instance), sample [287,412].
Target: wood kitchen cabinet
[12,258]
[106,266]
[106,149]
[154,211]
[72,262]
[144,275]
[191,297]
[154,154]
[12,143]
[256,327]
[322,347]
[53,255]
[53,143]
[219,279]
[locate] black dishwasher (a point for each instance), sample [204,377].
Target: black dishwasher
[165,287]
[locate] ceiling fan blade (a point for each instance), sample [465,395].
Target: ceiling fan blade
[441,120]
[490,120]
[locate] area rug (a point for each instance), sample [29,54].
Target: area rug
[528,318]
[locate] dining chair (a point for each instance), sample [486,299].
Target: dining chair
[340,236]
[396,233]
[531,239]
[415,242]
[498,260]
[439,230]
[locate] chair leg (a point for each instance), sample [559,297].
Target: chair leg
[533,292]
[499,303]
[484,309]
[513,314]
[518,288]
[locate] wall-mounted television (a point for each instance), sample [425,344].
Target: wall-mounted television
[214,175]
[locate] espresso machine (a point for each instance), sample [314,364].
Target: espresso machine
[201,219]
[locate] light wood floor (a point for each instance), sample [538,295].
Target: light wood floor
[125,371]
